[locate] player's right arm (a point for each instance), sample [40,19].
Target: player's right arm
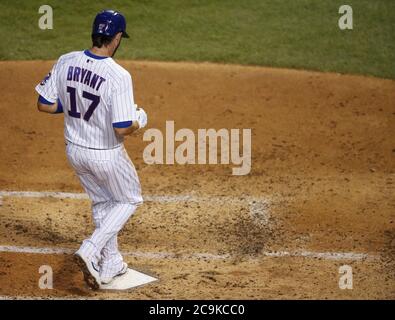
[126,118]
[127,130]
[132,126]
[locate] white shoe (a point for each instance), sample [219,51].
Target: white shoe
[120,273]
[91,275]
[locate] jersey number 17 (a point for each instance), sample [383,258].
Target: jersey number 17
[73,112]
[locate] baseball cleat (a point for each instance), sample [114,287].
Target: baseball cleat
[120,273]
[91,275]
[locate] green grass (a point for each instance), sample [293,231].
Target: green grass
[281,33]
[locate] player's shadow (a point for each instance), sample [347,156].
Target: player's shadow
[68,278]
[39,231]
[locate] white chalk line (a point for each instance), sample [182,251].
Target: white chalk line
[151,198]
[259,210]
[205,256]
[258,206]
[47,298]
[68,297]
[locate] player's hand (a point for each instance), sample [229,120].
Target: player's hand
[142,117]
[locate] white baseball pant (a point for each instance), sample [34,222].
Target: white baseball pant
[111,182]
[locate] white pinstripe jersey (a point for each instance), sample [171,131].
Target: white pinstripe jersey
[95,93]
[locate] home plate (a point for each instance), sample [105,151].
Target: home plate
[129,280]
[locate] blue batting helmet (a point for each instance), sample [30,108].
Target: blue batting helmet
[109,23]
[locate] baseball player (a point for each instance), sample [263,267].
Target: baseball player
[95,95]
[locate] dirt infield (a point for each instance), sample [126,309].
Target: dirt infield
[320,193]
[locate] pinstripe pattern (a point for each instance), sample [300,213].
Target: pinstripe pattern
[94,150]
[111,181]
[116,99]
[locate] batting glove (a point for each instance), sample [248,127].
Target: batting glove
[141,117]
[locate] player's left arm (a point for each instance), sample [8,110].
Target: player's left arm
[44,105]
[48,92]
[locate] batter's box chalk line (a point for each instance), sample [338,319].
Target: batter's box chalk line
[258,208]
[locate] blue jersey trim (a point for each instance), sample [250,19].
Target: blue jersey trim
[90,54]
[60,107]
[42,100]
[124,124]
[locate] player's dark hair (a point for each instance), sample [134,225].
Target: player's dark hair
[98,40]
